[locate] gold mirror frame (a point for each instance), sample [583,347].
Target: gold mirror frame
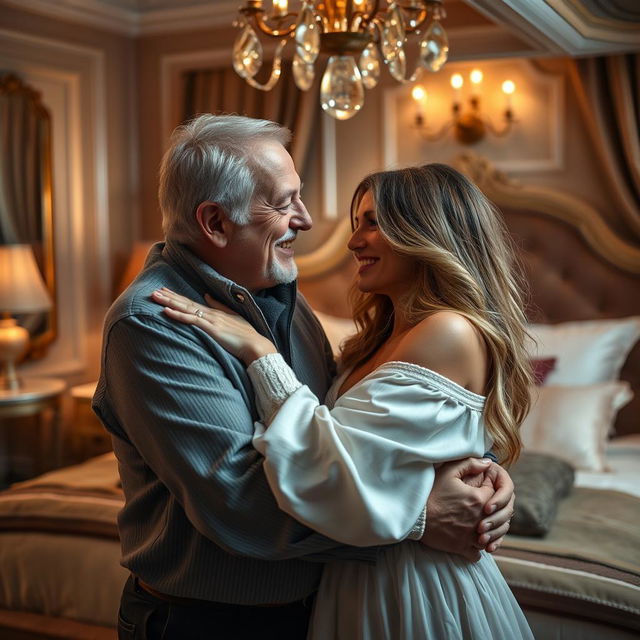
[12,86]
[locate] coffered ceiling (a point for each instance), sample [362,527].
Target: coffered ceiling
[541,27]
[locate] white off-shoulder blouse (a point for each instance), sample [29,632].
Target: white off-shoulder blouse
[361,471]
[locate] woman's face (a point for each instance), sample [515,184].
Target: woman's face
[380,269]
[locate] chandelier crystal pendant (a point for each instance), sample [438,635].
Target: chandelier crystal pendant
[358,36]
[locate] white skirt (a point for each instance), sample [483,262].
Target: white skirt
[416,593]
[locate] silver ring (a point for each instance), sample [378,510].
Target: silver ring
[198,313]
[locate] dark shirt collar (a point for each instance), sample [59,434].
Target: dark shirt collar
[275,303]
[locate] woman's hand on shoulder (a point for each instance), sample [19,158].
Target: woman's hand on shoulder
[229,329]
[447,343]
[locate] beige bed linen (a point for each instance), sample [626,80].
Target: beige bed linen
[589,563]
[61,575]
[59,550]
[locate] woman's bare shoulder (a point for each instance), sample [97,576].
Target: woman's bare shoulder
[445,342]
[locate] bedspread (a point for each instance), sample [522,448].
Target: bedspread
[59,547]
[589,563]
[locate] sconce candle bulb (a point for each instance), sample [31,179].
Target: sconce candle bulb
[418,93]
[420,96]
[476,80]
[508,88]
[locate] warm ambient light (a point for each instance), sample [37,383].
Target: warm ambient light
[280,7]
[508,87]
[418,93]
[468,126]
[476,76]
[359,36]
[457,81]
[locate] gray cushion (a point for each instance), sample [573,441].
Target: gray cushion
[541,481]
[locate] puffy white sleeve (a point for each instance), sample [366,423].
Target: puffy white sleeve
[361,472]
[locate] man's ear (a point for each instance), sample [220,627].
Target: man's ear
[213,222]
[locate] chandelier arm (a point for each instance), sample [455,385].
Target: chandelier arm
[377,27]
[261,23]
[275,71]
[367,19]
[424,14]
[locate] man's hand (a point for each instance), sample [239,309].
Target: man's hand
[499,508]
[463,492]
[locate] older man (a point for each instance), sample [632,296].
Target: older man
[210,553]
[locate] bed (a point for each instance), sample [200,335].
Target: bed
[574,564]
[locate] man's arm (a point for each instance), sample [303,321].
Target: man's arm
[469,507]
[192,428]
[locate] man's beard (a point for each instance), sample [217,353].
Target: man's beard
[279,273]
[282,274]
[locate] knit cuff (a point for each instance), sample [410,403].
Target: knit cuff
[273,381]
[417,531]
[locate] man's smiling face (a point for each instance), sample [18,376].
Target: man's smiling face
[264,254]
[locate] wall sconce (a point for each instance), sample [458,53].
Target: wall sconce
[22,290]
[469,126]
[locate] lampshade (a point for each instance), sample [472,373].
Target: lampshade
[22,289]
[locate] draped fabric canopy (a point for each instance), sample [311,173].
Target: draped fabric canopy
[223,91]
[608,91]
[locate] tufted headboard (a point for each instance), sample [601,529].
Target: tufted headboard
[576,267]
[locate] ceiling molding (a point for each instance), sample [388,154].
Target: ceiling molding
[557,27]
[592,26]
[495,40]
[131,18]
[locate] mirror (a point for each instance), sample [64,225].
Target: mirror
[26,202]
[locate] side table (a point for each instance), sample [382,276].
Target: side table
[41,397]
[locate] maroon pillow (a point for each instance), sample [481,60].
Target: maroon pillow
[541,368]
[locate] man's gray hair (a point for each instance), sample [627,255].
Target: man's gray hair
[210,159]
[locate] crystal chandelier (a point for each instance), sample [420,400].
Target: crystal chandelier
[346,30]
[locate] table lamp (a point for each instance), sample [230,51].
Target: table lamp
[22,290]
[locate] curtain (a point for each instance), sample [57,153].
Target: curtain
[608,91]
[20,165]
[223,91]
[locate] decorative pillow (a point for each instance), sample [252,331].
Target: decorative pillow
[573,422]
[587,352]
[541,368]
[541,481]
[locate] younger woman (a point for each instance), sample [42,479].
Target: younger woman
[435,372]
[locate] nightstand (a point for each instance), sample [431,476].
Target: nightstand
[41,397]
[88,437]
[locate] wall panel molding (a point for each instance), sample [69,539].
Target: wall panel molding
[72,82]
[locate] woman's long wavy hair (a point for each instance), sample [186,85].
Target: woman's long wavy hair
[465,264]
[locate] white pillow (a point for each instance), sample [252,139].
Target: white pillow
[573,422]
[586,352]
